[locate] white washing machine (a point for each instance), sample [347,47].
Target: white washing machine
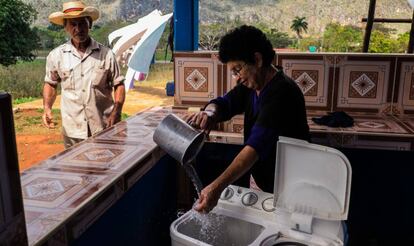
[310,201]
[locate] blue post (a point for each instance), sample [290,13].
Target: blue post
[185,25]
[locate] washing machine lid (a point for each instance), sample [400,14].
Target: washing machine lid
[311,179]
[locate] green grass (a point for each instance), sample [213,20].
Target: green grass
[24,79]
[124,116]
[24,100]
[54,110]
[159,75]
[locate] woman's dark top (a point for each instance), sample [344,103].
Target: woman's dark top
[279,110]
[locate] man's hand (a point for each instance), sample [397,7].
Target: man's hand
[48,119]
[208,198]
[113,118]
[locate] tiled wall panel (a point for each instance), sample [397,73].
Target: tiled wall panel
[198,80]
[406,88]
[312,78]
[371,85]
[363,86]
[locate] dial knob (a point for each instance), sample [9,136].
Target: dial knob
[249,199]
[267,204]
[227,194]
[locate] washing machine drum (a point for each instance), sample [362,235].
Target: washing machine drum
[277,240]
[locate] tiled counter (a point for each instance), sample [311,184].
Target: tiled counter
[65,194]
[376,89]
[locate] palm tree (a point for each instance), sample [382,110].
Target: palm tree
[299,25]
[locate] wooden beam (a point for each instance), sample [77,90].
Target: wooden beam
[370,22]
[385,20]
[411,41]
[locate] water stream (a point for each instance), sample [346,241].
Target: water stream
[191,172]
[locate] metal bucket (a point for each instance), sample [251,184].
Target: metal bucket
[179,139]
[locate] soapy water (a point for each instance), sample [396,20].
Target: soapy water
[210,225]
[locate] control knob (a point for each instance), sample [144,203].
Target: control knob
[227,194]
[249,199]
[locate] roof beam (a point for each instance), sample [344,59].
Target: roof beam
[386,20]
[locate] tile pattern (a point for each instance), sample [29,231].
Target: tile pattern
[195,79]
[66,193]
[362,84]
[57,189]
[311,77]
[307,81]
[127,133]
[406,89]
[198,80]
[100,156]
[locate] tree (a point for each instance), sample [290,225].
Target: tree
[17,39]
[277,38]
[299,25]
[342,38]
[382,43]
[210,34]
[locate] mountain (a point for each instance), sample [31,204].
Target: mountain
[276,13]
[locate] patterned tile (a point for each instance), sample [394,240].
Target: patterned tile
[377,125]
[47,189]
[407,121]
[149,120]
[363,86]
[307,81]
[102,156]
[312,77]
[127,133]
[196,79]
[406,88]
[226,137]
[40,222]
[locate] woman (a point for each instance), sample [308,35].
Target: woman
[273,105]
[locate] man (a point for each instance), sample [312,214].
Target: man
[88,74]
[272,103]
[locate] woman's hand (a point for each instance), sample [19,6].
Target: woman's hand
[208,198]
[202,120]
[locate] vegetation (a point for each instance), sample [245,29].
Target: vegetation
[342,38]
[24,79]
[23,100]
[299,25]
[17,39]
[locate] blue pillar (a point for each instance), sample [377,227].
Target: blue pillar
[185,25]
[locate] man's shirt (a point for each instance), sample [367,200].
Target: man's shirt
[87,84]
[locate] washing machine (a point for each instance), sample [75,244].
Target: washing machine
[309,204]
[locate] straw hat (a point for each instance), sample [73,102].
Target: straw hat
[73,9]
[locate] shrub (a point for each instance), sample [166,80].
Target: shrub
[24,79]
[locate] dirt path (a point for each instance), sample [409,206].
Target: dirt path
[36,143]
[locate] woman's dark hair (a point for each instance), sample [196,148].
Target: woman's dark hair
[241,43]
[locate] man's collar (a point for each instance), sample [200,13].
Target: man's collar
[69,47]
